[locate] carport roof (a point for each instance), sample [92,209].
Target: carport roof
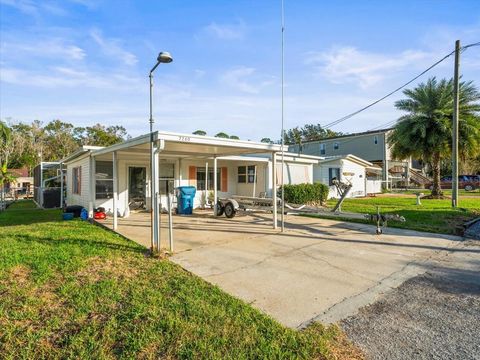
[186,145]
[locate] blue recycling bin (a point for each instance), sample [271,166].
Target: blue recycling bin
[185,197]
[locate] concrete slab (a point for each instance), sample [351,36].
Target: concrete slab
[316,270]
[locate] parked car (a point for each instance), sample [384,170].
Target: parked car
[466,182]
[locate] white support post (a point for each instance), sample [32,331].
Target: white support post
[254,181]
[206,182]
[215,195]
[41,184]
[156,196]
[91,204]
[61,186]
[178,172]
[115,191]
[170,222]
[274,188]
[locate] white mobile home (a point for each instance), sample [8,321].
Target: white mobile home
[242,168]
[348,169]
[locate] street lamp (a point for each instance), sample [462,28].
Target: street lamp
[165,58]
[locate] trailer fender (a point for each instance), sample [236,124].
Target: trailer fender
[235,204]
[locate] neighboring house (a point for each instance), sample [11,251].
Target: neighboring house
[371,146]
[243,168]
[22,186]
[364,176]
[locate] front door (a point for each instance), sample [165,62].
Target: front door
[137,187]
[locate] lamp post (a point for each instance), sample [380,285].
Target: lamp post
[165,58]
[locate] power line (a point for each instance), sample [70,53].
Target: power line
[344,118]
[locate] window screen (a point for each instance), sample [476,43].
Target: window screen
[103,179]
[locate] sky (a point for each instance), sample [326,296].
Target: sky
[87,61]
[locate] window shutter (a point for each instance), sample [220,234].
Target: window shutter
[192,176]
[224,180]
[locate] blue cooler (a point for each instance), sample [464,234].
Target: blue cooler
[185,197]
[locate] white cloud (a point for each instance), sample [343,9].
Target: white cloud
[350,65]
[64,77]
[52,48]
[243,79]
[112,48]
[227,31]
[34,8]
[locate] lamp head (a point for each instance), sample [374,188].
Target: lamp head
[164,57]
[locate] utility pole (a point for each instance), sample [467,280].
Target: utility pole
[455,126]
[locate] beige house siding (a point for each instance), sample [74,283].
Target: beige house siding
[84,197]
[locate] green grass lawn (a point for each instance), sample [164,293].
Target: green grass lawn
[69,289]
[461,192]
[433,215]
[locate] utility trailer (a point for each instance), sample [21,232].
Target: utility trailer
[230,206]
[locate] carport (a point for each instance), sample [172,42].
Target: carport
[175,148]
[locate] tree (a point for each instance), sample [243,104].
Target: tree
[99,135]
[234,137]
[5,150]
[266,140]
[200,132]
[60,139]
[425,132]
[222,135]
[309,132]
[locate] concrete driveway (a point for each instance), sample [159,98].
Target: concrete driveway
[317,270]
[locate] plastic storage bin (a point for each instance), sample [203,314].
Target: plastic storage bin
[185,197]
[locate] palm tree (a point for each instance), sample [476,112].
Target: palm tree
[425,132]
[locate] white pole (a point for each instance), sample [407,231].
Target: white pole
[274,188]
[92,186]
[254,180]
[115,190]
[283,135]
[215,186]
[41,184]
[206,183]
[156,210]
[170,223]
[61,186]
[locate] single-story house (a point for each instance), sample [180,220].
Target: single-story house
[247,172]
[119,177]
[365,177]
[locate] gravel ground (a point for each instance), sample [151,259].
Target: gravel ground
[432,316]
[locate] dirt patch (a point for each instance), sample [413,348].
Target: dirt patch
[18,275]
[98,268]
[436,197]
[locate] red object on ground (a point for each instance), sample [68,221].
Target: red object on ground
[99,216]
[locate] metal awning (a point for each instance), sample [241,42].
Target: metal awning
[182,145]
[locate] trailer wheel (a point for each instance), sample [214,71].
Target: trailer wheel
[220,209]
[229,210]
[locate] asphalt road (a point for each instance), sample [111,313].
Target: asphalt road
[431,316]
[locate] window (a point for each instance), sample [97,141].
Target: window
[247,174]
[322,149]
[201,179]
[242,174]
[77,180]
[336,145]
[103,179]
[375,139]
[333,173]
[167,177]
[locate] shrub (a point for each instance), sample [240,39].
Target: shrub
[311,194]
